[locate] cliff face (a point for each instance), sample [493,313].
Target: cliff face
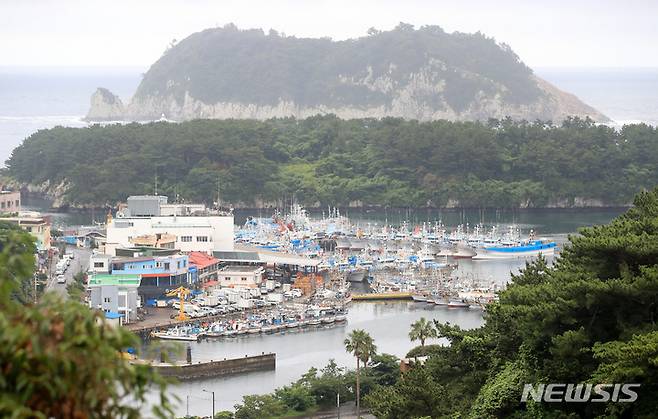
[423,74]
[105,106]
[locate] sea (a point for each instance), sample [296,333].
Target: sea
[34,98]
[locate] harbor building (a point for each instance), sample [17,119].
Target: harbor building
[10,202]
[115,293]
[35,224]
[194,227]
[240,276]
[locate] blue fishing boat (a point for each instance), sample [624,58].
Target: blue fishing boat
[520,249]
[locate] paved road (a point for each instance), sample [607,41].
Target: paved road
[79,263]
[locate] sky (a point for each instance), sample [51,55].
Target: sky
[544,33]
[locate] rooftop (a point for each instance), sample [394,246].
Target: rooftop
[99,280]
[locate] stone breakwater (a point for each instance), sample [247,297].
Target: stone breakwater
[201,370]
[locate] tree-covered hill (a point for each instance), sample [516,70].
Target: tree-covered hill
[423,74]
[326,160]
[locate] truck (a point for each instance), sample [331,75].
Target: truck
[275,298]
[210,301]
[270,285]
[245,303]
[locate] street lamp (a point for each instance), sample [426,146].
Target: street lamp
[213,401]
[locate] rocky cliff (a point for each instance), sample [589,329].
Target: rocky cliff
[423,74]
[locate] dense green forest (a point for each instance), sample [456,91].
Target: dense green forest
[589,318]
[325,160]
[248,66]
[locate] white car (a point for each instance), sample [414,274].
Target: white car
[61,279]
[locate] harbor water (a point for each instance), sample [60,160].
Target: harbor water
[300,349]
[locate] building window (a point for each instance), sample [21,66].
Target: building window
[18,202]
[244,278]
[166,266]
[186,239]
[106,299]
[202,238]
[2,204]
[99,265]
[227,278]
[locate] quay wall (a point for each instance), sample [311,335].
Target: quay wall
[200,370]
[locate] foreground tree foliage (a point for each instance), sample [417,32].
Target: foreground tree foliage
[590,318]
[328,161]
[57,361]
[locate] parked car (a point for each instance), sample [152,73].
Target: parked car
[61,279]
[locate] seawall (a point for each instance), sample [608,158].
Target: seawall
[201,370]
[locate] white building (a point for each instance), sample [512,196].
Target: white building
[240,276]
[201,231]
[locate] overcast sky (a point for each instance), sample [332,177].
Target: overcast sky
[544,33]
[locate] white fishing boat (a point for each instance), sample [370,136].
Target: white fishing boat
[341,318]
[328,320]
[179,333]
[419,298]
[458,304]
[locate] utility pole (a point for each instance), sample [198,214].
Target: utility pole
[338,403]
[187,411]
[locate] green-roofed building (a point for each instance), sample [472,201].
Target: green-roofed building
[115,293]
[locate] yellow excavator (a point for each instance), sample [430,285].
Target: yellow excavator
[181,293]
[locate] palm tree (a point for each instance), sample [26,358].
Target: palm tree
[360,344]
[422,330]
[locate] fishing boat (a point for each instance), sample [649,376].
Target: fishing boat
[215,331]
[419,298]
[314,322]
[328,320]
[292,324]
[268,329]
[458,304]
[528,248]
[179,333]
[341,318]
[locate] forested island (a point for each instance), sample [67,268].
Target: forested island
[324,160]
[421,73]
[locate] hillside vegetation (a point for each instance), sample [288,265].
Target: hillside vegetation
[325,160]
[424,74]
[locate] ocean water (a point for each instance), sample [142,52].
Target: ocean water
[624,95]
[33,98]
[37,98]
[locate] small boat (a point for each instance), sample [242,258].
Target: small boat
[458,304]
[254,330]
[341,318]
[241,331]
[314,322]
[183,333]
[328,320]
[268,329]
[215,331]
[291,325]
[441,302]
[230,333]
[419,298]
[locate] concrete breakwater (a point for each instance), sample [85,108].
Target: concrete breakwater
[212,368]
